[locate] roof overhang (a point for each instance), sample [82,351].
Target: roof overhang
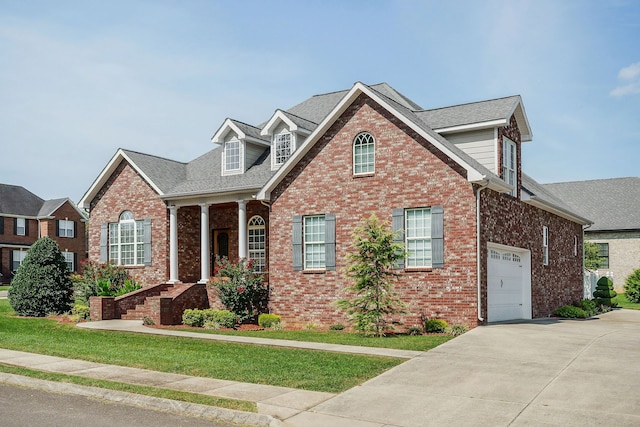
[199,198]
[545,205]
[473,175]
[230,126]
[106,173]
[280,116]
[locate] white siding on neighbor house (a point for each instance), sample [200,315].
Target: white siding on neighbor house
[479,144]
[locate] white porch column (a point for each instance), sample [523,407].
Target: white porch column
[173,244]
[205,270]
[242,229]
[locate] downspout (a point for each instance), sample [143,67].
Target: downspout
[478,263]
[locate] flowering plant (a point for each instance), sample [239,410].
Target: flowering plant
[240,289]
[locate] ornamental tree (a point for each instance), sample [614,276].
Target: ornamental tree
[371,267]
[42,284]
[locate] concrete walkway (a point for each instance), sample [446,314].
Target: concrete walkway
[545,372]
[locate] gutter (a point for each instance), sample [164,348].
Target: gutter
[478,255]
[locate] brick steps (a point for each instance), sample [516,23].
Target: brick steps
[142,310]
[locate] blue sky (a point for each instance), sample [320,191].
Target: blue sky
[80,79]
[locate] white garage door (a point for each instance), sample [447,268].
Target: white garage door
[506,286]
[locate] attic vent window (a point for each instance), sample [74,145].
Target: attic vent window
[282,147]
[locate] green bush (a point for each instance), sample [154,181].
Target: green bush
[42,285]
[604,293]
[105,280]
[455,330]
[632,287]
[435,326]
[82,311]
[571,311]
[414,330]
[193,317]
[267,320]
[589,306]
[240,289]
[336,327]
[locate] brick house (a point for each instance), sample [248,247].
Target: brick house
[485,241]
[25,217]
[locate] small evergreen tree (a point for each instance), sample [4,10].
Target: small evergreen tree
[42,284]
[632,287]
[371,267]
[591,256]
[604,293]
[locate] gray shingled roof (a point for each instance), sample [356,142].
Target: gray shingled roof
[541,193]
[250,130]
[164,173]
[17,200]
[50,206]
[465,114]
[612,204]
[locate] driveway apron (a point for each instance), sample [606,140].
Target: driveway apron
[542,372]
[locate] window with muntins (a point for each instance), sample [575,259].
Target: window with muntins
[603,254]
[364,148]
[17,258]
[232,155]
[69,258]
[313,235]
[126,240]
[256,235]
[66,228]
[510,164]
[418,237]
[21,226]
[282,145]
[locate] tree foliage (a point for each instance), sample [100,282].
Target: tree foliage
[632,287]
[42,284]
[371,267]
[591,256]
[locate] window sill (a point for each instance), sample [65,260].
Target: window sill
[314,271]
[364,175]
[418,270]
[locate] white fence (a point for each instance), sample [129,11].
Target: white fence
[590,281]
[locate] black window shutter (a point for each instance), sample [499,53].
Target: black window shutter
[57,228]
[147,242]
[75,261]
[437,236]
[26,227]
[104,233]
[15,226]
[330,241]
[397,226]
[75,229]
[1,225]
[297,243]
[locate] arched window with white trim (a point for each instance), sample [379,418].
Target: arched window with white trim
[127,240]
[257,240]
[364,154]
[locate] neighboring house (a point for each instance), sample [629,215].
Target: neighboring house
[485,241]
[614,207]
[25,217]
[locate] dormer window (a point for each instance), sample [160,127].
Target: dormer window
[510,165]
[282,147]
[232,156]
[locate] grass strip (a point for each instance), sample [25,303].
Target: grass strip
[623,302]
[294,368]
[163,393]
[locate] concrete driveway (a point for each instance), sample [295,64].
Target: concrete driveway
[543,372]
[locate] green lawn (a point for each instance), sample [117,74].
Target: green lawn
[4,288]
[303,369]
[623,302]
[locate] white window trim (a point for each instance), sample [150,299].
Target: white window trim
[258,223]
[545,245]
[22,221]
[226,171]
[69,258]
[118,226]
[507,168]
[22,256]
[373,143]
[575,245]
[306,243]
[426,239]
[292,147]
[68,228]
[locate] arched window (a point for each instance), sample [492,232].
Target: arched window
[364,148]
[257,242]
[126,240]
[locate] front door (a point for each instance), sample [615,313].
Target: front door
[220,244]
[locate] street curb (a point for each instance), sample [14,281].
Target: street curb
[173,406]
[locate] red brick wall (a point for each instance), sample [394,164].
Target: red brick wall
[409,173]
[507,221]
[126,190]
[76,244]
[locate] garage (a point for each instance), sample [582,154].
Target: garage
[508,283]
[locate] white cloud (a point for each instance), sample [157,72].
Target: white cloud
[631,75]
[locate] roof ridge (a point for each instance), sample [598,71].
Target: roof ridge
[241,122]
[468,103]
[592,180]
[152,155]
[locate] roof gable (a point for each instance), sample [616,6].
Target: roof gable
[293,122]
[242,130]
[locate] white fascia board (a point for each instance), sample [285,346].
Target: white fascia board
[102,179]
[224,129]
[545,206]
[525,135]
[473,126]
[358,88]
[278,116]
[191,199]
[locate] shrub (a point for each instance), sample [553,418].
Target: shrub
[632,287]
[224,318]
[604,293]
[589,306]
[42,284]
[435,326]
[571,311]
[240,289]
[105,280]
[148,321]
[82,311]
[267,320]
[210,324]
[455,330]
[336,327]
[414,330]
[193,317]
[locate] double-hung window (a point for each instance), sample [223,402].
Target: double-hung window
[283,146]
[66,228]
[510,164]
[545,245]
[364,148]
[314,242]
[17,257]
[129,241]
[421,232]
[232,155]
[21,226]
[257,243]
[603,254]
[70,258]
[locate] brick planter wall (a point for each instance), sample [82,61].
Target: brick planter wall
[102,308]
